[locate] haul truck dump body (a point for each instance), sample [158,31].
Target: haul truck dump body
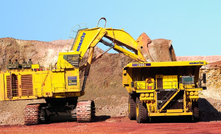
[162,89]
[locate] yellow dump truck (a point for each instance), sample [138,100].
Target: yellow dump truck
[163,89]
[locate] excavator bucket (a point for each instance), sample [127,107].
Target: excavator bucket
[156,50]
[143,40]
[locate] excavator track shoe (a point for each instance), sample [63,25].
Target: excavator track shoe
[31,114]
[74,114]
[85,111]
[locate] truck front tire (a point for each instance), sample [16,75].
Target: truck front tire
[132,107]
[141,111]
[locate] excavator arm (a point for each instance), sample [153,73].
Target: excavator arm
[89,38]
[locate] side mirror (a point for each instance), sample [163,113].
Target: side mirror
[204,78]
[204,81]
[132,84]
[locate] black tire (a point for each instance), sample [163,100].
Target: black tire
[141,111]
[195,110]
[132,107]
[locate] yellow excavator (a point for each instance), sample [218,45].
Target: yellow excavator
[60,86]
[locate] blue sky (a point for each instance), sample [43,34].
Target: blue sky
[194,26]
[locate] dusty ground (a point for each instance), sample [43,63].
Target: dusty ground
[115,125]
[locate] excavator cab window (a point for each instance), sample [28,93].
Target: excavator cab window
[72,59]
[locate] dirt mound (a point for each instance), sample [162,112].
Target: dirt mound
[161,50]
[209,59]
[215,64]
[44,53]
[62,42]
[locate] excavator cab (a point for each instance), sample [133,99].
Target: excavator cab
[68,60]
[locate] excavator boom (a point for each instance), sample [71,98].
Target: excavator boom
[88,38]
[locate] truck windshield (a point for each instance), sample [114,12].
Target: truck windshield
[187,79]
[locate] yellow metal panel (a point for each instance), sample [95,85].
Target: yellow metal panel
[127,79]
[126,52]
[46,84]
[124,78]
[42,83]
[171,114]
[2,88]
[85,38]
[125,38]
[193,97]
[187,86]
[145,91]
[194,89]
[140,85]
[72,81]
[166,64]
[174,110]
[146,98]
[37,83]
[23,98]
[58,82]
[19,83]
[170,82]
[37,78]
[35,66]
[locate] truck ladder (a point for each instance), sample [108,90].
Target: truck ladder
[166,98]
[169,99]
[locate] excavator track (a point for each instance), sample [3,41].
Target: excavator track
[85,111]
[31,113]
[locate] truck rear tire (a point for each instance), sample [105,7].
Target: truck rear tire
[132,107]
[141,111]
[195,110]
